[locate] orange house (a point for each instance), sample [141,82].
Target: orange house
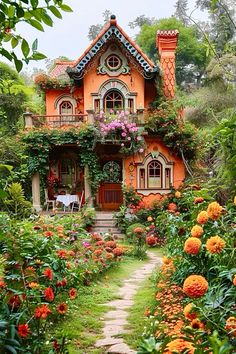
[112,74]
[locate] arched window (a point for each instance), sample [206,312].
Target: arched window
[154,174]
[66,107]
[113,100]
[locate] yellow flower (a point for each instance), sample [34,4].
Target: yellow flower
[197,231]
[33,285]
[214,210]
[177,194]
[235,200]
[215,244]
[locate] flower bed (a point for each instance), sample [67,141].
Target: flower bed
[194,309]
[46,264]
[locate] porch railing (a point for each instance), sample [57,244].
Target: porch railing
[58,121]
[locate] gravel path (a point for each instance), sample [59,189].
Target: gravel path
[116,319]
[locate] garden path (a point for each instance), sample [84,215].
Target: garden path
[115,321]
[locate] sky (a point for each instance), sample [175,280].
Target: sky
[68,37]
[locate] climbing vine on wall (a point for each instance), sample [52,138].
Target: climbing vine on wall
[39,143]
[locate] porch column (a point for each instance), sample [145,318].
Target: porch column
[90,116]
[28,119]
[36,191]
[87,188]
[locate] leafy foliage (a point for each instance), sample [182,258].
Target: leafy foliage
[191,53]
[15,202]
[36,14]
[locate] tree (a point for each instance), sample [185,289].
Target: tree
[191,52]
[181,8]
[142,20]
[95,29]
[222,22]
[36,14]
[13,96]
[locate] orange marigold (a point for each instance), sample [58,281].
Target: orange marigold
[178,346]
[214,210]
[42,312]
[48,233]
[188,312]
[234,279]
[202,217]
[230,325]
[197,231]
[192,245]
[195,286]
[215,244]
[172,207]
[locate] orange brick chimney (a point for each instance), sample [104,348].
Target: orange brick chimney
[166,43]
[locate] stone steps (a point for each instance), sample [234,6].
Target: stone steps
[104,223]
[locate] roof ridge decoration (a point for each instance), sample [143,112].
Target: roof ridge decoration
[112,30]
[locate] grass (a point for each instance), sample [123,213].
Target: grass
[143,299]
[83,325]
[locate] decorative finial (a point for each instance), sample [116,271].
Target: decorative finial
[113,17]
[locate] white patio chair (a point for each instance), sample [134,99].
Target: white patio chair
[77,205]
[48,201]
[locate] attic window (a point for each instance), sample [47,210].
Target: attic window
[113,62]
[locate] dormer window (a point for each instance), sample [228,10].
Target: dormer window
[113,62]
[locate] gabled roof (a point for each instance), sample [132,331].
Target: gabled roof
[60,68]
[112,29]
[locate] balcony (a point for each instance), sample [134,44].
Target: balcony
[54,121]
[72,120]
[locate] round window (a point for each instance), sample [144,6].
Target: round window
[113,62]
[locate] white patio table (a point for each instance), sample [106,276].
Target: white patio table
[67,199]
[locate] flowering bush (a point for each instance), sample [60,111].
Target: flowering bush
[202,268]
[120,128]
[45,266]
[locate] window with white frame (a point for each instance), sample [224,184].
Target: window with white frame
[154,174]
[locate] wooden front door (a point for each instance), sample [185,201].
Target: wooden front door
[111,196]
[110,192]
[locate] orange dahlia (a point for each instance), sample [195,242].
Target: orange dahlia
[214,210]
[215,244]
[234,279]
[48,233]
[178,346]
[118,251]
[198,200]
[23,330]
[49,294]
[197,231]
[195,286]
[230,325]
[42,311]
[172,207]
[188,312]
[202,217]
[192,245]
